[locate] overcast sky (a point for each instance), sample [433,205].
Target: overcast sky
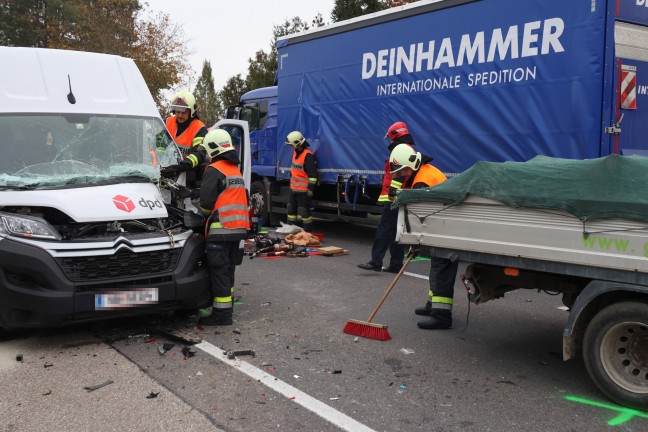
[228,32]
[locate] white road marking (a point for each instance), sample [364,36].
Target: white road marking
[321,409]
[416,275]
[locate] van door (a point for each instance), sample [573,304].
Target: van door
[240,133]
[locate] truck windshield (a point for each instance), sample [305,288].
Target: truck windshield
[62,149]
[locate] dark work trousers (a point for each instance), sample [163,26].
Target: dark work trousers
[386,239]
[443,273]
[300,201]
[221,259]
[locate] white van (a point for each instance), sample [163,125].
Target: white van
[88,230]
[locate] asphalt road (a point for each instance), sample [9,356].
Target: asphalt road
[498,369]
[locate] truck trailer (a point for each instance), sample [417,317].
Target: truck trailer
[493,80]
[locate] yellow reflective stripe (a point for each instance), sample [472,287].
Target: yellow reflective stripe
[292,217]
[396,184]
[307,219]
[197,141]
[227,299]
[312,180]
[384,198]
[443,300]
[193,159]
[216,225]
[430,294]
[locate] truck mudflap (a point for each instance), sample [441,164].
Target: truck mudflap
[35,292]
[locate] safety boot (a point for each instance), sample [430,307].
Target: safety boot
[439,319]
[425,310]
[218,317]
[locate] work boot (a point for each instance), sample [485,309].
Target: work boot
[392,269]
[439,319]
[370,266]
[425,310]
[218,317]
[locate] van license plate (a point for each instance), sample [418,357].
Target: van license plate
[125,299]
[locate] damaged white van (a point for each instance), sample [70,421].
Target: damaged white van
[87,228]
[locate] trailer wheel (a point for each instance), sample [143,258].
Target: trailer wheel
[258,195]
[615,350]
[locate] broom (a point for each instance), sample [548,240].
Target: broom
[367,328]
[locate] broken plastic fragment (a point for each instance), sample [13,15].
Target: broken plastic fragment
[165,347]
[98,386]
[187,352]
[407,351]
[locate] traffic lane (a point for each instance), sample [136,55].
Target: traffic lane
[510,349]
[45,390]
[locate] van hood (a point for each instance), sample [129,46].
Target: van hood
[124,201]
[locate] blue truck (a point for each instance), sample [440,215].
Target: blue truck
[492,80]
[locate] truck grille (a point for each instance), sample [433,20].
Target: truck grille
[119,265]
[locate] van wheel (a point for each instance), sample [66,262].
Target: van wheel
[615,350]
[258,200]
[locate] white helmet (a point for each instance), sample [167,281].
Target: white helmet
[403,156]
[184,100]
[217,142]
[295,139]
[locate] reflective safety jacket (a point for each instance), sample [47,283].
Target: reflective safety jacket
[427,176]
[230,218]
[389,186]
[190,136]
[303,172]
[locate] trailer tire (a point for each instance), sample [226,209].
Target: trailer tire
[615,351]
[258,200]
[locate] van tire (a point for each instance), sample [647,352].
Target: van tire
[615,351]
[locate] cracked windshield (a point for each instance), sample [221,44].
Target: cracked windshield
[57,150]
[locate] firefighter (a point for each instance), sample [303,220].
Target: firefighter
[188,131]
[303,179]
[412,168]
[224,201]
[398,133]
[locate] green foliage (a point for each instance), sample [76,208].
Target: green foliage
[209,107]
[234,88]
[347,9]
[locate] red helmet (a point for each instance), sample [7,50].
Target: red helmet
[397,130]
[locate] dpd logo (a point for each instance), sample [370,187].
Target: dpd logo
[123,203]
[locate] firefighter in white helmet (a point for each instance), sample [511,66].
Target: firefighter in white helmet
[303,179]
[188,131]
[224,201]
[412,169]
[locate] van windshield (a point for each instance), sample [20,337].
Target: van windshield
[41,150]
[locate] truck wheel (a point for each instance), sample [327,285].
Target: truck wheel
[258,197]
[615,350]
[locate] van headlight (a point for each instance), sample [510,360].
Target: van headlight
[26,226]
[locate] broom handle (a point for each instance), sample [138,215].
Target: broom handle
[384,297]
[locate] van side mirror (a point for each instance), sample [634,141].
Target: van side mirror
[231,112]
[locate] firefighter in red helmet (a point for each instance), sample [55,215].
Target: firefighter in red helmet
[397,133]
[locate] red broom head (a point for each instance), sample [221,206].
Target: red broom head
[367,330]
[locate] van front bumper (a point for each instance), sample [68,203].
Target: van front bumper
[37,289]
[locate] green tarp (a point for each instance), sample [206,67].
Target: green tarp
[610,187]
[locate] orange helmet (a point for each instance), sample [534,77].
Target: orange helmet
[397,130]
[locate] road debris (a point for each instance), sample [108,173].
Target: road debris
[407,351]
[162,349]
[19,357]
[187,352]
[47,392]
[98,386]
[152,395]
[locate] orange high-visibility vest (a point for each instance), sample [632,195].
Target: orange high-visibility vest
[231,210]
[298,177]
[429,175]
[186,138]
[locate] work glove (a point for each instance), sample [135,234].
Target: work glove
[195,193]
[309,193]
[170,171]
[184,192]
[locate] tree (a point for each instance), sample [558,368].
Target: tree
[232,91]
[209,107]
[347,9]
[104,26]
